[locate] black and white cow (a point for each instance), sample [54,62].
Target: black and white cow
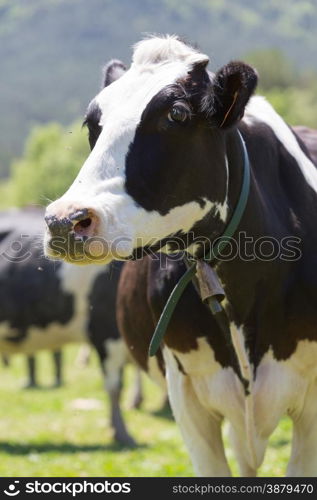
[46,304]
[166,162]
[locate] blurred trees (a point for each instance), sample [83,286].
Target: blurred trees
[51,51]
[274,69]
[293,95]
[53,155]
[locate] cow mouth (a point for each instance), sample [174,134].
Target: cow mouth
[77,248]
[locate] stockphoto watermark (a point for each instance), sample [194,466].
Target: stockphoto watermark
[96,249]
[63,487]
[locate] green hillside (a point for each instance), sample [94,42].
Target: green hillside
[51,51]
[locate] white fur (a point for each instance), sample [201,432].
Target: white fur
[208,393]
[222,210]
[237,339]
[260,110]
[155,373]
[199,425]
[155,50]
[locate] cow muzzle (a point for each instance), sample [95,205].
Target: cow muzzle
[72,235]
[82,222]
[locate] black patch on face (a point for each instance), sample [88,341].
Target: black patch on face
[171,163]
[92,120]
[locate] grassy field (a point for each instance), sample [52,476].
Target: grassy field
[43,432]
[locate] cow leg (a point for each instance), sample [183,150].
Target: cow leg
[113,369]
[201,430]
[303,460]
[31,368]
[84,354]
[137,396]
[238,443]
[57,358]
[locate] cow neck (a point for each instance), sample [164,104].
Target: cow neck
[211,259]
[214,292]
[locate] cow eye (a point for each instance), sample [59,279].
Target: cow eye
[178,113]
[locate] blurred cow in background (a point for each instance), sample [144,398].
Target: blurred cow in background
[32,382]
[309,137]
[46,304]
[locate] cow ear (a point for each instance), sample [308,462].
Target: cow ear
[113,70]
[228,93]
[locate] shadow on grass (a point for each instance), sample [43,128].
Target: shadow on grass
[164,412]
[12,448]
[30,388]
[279,443]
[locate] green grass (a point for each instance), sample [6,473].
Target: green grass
[41,434]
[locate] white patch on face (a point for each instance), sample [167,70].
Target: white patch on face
[260,110]
[100,184]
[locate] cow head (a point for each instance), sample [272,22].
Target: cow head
[158,165]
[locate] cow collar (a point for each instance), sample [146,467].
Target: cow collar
[213,298]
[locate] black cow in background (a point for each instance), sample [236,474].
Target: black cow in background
[32,382]
[46,304]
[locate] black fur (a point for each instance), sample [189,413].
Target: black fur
[228,94]
[92,120]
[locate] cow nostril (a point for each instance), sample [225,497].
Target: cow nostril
[81,226]
[84,223]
